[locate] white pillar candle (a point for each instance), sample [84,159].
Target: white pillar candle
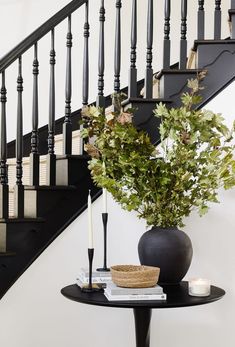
[90,225]
[199,287]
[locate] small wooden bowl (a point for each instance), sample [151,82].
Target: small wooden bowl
[134,276]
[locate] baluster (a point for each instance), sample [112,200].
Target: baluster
[19,188]
[51,158]
[167,42]
[85,84]
[183,41]
[67,126]
[232,20]
[100,101]
[86,57]
[149,58]
[132,91]
[4,192]
[201,20]
[117,50]
[217,21]
[34,155]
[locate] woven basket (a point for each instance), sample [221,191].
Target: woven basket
[134,276]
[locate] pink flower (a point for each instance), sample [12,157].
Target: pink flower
[125,118]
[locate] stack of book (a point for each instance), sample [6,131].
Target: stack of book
[97,277]
[115,293]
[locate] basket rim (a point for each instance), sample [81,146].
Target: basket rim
[144,268]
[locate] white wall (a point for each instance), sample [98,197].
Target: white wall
[34,313]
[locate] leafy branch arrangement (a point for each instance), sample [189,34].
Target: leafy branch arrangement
[163,184]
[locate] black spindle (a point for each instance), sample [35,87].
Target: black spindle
[232,20]
[34,155]
[132,91]
[19,188]
[201,20]
[217,20]
[167,42]
[117,50]
[101,60]
[183,41]
[51,158]
[85,84]
[67,126]
[149,58]
[4,192]
[85,94]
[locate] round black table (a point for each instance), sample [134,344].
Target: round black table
[177,296]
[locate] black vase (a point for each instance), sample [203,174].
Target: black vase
[170,249]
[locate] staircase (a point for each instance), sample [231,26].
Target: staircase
[44,179]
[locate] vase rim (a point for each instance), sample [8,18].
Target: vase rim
[165,228]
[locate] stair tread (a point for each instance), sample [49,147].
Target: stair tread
[7,254]
[45,187]
[212,42]
[22,220]
[73,156]
[177,72]
[143,100]
[230,12]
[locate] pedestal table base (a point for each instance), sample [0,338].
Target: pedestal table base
[142,326]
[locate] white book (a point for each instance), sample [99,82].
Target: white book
[113,289]
[81,284]
[94,279]
[85,273]
[137,297]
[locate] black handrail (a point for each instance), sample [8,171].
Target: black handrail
[45,28]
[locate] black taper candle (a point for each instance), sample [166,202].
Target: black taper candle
[90,257]
[105,222]
[91,287]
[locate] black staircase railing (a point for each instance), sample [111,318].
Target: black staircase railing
[201,20]
[167,42]
[100,101]
[149,56]
[67,126]
[19,189]
[117,51]
[51,159]
[132,90]
[4,193]
[49,27]
[217,24]
[85,85]
[183,39]
[34,155]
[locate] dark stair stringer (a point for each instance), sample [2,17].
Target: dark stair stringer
[27,239]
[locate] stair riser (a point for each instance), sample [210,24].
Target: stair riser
[71,171]
[173,85]
[144,118]
[17,237]
[39,203]
[3,237]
